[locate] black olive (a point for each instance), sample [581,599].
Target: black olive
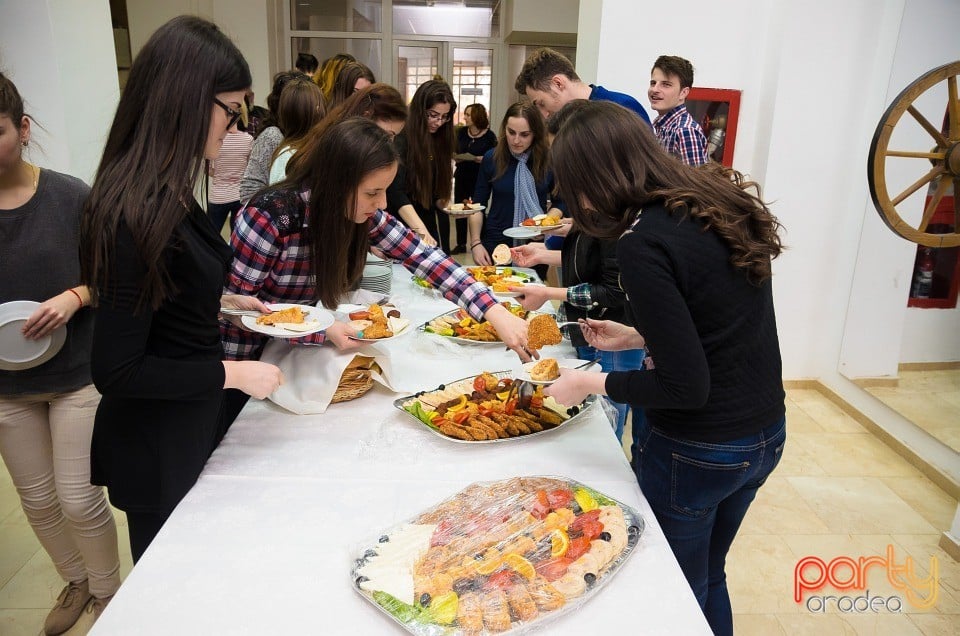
[425,599]
[360,579]
[605,536]
[570,411]
[575,409]
[575,507]
[590,578]
[384,539]
[441,387]
[369,553]
[478,556]
[633,530]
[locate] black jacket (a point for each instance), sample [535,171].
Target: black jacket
[585,259]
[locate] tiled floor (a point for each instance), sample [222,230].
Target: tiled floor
[837,492]
[922,397]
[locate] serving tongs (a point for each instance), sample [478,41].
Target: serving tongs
[523,391]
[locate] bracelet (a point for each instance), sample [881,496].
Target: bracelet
[475,244]
[74,292]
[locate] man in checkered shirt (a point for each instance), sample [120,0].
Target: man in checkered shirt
[670,82]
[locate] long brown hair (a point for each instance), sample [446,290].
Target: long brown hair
[333,169]
[539,150]
[379,102]
[347,77]
[154,152]
[428,158]
[605,154]
[301,106]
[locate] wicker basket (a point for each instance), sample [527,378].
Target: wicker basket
[356,380]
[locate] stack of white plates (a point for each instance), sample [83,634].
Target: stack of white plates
[377,275]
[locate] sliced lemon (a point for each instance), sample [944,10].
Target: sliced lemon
[490,562]
[586,500]
[559,542]
[443,608]
[520,565]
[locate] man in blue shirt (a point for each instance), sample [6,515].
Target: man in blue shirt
[678,133]
[549,80]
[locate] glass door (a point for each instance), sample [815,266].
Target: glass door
[467,68]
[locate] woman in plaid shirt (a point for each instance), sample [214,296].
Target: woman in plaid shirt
[307,239]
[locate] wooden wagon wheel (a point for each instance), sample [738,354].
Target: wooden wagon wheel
[944,157]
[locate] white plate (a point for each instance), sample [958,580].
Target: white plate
[472,210]
[18,353]
[569,363]
[347,309]
[522,231]
[321,316]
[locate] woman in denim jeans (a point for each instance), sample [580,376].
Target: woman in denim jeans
[695,249]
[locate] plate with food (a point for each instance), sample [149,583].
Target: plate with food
[483,409]
[547,370]
[375,323]
[464,209]
[460,326]
[288,320]
[498,557]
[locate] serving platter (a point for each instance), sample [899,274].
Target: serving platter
[423,406]
[434,325]
[505,557]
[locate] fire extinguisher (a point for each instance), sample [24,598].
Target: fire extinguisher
[923,275]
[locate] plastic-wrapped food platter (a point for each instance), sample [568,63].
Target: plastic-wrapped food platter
[480,409]
[506,556]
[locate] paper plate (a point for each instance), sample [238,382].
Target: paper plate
[18,353]
[522,232]
[322,317]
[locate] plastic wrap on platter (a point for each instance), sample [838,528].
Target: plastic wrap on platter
[497,557]
[482,408]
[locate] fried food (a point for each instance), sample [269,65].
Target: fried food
[292,315]
[545,370]
[543,331]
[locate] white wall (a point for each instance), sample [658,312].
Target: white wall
[73,97]
[245,21]
[813,91]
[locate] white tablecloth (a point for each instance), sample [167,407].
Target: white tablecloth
[265,541]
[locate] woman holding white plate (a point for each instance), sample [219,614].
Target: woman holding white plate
[47,399]
[515,178]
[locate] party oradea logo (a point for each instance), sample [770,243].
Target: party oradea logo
[814,579]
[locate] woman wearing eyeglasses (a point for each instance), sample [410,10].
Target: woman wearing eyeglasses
[156,268]
[422,184]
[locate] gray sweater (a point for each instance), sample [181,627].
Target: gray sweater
[257,174]
[39,258]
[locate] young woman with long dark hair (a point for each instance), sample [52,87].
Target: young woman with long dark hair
[514,180]
[426,154]
[474,139]
[156,268]
[307,238]
[301,106]
[353,77]
[695,249]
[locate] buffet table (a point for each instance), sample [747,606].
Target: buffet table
[265,541]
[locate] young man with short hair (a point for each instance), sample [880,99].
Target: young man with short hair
[670,82]
[549,80]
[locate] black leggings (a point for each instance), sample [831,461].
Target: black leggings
[143,527]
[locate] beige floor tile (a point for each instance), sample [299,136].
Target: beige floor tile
[796,460]
[798,421]
[760,575]
[779,509]
[854,454]
[936,624]
[22,622]
[807,624]
[750,624]
[926,498]
[35,586]
[826,414]
[924,547]
[859,505]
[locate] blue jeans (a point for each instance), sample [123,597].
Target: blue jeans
[628,360]
[700,493]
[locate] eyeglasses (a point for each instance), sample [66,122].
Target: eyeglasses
[435,116]
[233,114]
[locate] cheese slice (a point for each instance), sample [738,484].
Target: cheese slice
[397,324]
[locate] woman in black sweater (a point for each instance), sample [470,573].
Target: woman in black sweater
[694,251]
[156,268]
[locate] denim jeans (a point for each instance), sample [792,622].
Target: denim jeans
[700,493]
[628,360]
